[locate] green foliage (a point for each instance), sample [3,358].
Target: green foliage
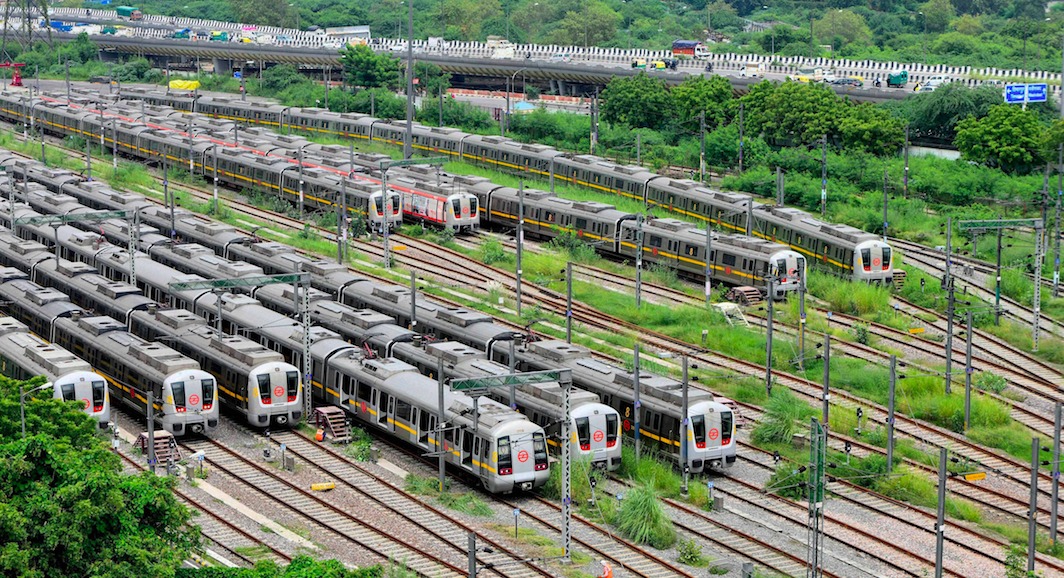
[787,482]
[988,381]
[300,567]
[937,113]
[690,553]
[464,502]
[260,12]
[846,24]
[595,23]
[455,113]
[364,67]
[638,101]
[782,414]
[698,93]
[641,518]
[431,78]
[859,332]
[493,252]
[1008,137]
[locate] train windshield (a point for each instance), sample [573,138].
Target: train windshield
[583,431]
[264,388]
[68,392]
[456,206]
[866,259]
[611,430]
[378,202]
[208,393]
[781,267]
[293,385]
[505,460]
[395,204]
[99,389]
[698,424]
[473,206]
[886,258]
[178,388]
[727,420]
[539,446]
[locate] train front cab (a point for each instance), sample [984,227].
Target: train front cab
[711,439]
[789,267]
[597,429]
[88,388]
[873,262]
[275,395]
[377,214]
[189,403]
[462,212]
[519,457]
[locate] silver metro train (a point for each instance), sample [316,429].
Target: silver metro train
[839,249]
[185,396]
[23,356]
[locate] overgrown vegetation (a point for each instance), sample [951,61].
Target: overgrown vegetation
[464,502]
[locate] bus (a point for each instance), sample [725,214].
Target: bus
[130,12]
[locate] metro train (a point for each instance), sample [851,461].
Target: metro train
[184,395]
[23,356]
[445,322]
[840,249]
[254,381]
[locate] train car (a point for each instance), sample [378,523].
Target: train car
[711,441]
[424,202]
[24,356]
[184,395]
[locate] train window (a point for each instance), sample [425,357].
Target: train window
[382,415]
[467,448]
[264,387]
[611,430]
[655,241]
[402,410]
[698,424]
[292,381]
[657,422]
[583,432]
[798,239]
[539,447]
[729,260]
[694,206]
[726,421]
[692,250]
[476,446]
[827,249]
[581,223]
[886,258]
[473,208]
[424,426]
[781,267]
[347,384]
[712,256]
[505,465]
[550,216]
[456,207]
[68,392]
[207,385]
[744,264]
[178,389]
[866,259]
[98,393]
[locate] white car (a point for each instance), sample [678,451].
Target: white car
[752,71]
[829,77]
[560,58]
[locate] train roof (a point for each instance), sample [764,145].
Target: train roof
[196,333]
[35,354]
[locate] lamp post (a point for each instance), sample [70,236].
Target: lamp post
[293,6]
[925,38]
[22,403]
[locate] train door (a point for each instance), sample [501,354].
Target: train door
[467,450]
[387,418]
[478,459]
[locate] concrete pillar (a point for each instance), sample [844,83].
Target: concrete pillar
[223,66]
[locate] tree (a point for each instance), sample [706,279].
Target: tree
[300,567]
[697,94]
[1008,137]
[799,112]
[968,25]
[600,24]
[937,113]
[937,13]
[866,127]
[638,101]
[431,78]
[363,67]
[260,12]
[845,23]
[81,50]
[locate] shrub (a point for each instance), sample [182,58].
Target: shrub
[992,382]
[691,554]
[493,252]
[859,331]
[642,519]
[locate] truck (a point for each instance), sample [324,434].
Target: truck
[219,36]
[129,12]
[898,79]
[182,34]
[690,49]
[59,25]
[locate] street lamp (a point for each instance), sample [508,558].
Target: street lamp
[925,38]
[22,402]
[297,14]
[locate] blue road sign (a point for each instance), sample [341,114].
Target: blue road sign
[1015,93]
[236,75]
[1037,92]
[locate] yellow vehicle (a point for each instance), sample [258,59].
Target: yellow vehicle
[656,65]
[801,78]
[639,63]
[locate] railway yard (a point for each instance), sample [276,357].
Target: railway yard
[746,511]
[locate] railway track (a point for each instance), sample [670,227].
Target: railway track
[319,513]
[225,534]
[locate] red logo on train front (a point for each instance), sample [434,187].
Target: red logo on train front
[598,436]
[193,399]
[522,456]
[713,433]
[627,425]
[86,403]
[876,262]
[278,391]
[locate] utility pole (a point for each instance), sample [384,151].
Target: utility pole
[702,153]
[569,302]
[1032,512]
[636,407]
[639,260]
[948,279]
[520,237]
[1036,297]
[341,223]
[709,262]
[638,149]
[818,442]
[441,444]
[88,156]
[801,318]
[1056,474]
[826,397]
[940,524]
[171,196]
[890,411]
[997,283]
[885,201]
[969,330]
[384,193]
[152,458]
[684,424]
[905,178]
[408,140]
[413,300]
[824,177]
[215,151]
[66,66]
[114,146]
[741,104]
[1056,221]
[768,333]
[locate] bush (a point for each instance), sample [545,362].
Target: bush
[641,518]
[492,252]
[991,382]
[859,331]
[691,554]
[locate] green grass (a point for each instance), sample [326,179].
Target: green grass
[1017,534]
[641,518]
[782,418]
[252,552]
[464,502]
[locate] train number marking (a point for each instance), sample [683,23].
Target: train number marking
[713,433]
[598,436]
[364,410]
[573,438]
[278,391]
[193,399]
[727,270]
[522,456]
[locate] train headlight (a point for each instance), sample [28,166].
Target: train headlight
[540,467]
